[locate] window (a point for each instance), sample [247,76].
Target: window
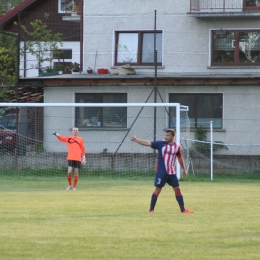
[8,122]
[69,6]
[203,108]
[237,48]
[251,5]
[65,6]
[63,54]
[137,47]
[107,117]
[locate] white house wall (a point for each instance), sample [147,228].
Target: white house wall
[241,108]
[186,39]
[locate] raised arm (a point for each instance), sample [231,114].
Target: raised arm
[61,138]
[140,141]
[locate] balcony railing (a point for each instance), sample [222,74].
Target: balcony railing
[224,5]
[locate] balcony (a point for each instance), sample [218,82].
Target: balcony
[225,8]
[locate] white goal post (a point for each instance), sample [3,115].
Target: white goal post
[61,117]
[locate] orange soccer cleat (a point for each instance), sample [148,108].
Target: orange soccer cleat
[187,211]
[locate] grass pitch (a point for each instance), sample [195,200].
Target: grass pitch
[109,219]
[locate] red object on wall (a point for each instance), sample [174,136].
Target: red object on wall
[102,71]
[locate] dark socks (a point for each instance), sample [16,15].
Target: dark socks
[180,200]
[153,200]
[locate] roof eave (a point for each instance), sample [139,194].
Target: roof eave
[11,16]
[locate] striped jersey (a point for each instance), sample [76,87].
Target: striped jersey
[166,156]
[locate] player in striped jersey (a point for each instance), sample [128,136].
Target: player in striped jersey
[168,150]
[76,155]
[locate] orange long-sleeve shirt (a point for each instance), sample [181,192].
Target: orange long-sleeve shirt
[76,148]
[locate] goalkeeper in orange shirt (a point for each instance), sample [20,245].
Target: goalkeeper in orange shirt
[76,155]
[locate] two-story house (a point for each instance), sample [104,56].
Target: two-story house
[208,58]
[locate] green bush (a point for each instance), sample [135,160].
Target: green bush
[204,146]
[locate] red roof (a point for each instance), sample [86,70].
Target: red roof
[11,16]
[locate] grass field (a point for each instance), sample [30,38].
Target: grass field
[109,219]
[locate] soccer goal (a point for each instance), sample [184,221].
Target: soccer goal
[225,158]
[27,146]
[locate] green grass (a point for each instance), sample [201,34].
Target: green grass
[108,219]
[54,172]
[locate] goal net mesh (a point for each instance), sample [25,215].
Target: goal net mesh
[227,158]
[28,147]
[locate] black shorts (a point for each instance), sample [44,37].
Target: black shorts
[161,179]
[74,164]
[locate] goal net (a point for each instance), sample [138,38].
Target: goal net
[236,159]
[28,147]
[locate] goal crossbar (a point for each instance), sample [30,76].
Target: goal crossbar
[182,108]
[178,109]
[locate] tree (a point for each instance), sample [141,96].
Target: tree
[7,66]
[204,146]
[7,74]
[42,43]
[8,57]
[6,95]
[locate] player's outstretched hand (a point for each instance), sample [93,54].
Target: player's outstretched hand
[133,138]
[55,133]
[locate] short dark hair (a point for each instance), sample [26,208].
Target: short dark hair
[172,131]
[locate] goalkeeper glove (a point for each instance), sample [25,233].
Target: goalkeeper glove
[83,161]
[55,133]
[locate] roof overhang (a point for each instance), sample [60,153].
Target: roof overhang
[12,15]
[69,80]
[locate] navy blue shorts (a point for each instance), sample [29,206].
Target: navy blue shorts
[74,164]
[161,179]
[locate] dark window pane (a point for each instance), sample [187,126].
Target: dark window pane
[224,47]
[88,116]
[209,108]
[148,47]
[252,2]
[186,100]
[249,47]
[63,54]
[114,98]
[203,108]
[115,117]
